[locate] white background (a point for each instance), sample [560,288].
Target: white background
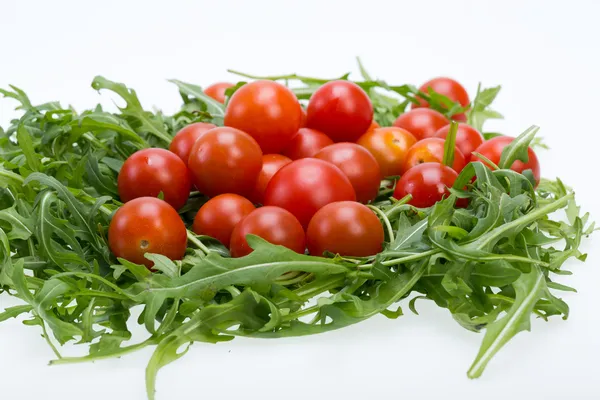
[544,53]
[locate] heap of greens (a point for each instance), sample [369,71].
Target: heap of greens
[492,265]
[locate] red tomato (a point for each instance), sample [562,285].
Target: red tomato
[304,186]
[147,225]
[306,143]
[389,146]
[273,224]
[449,88]
[467,138]
[432,150]
[267,111]
[218,216]
[184,139]
[217,91]
[148,172]
[303,120]
[492,150]
[341,110]
[346,228]
[225,160]
[271,164]
[428,183]
[421,122]
[374,125]
[359,166]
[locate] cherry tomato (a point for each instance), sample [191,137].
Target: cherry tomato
[303,119]
[492,150]
[422,122]
[267,111]
[149,172]
[306,143]
[389,146]
[428,183]
[341,110]
[449,88]
[217,90]
[374,125]
[184,139]
[304,186]
[273,224]
[218,216]
[225,160]
[147,225]
[432,150]
[271,164]
[359,166]
[467,138]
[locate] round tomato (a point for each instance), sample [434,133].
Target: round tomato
[306,143]
[422,122]
[346,228]
[359,166]
[467,138]
[304,186]
[374,125]
[427,183]
[432,150]
[147,225]
[341,110]
[271,164]
[184,140]
[217,90]
[225,160]
[303,119]
[267,111]
[148,172]
[389,146]
[274,224]
[449,88]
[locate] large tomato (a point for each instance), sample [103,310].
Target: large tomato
[432,150]
[341,110]
[271,164]
[304,186]
[467,138]
[225,160]
[422,122]
[149,172]
[267,111]
[184,140]
[428,183]
[147,225]
[217,90]
[449,88]
[306,143]
[389,146]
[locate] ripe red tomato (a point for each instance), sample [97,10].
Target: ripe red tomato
[273,224]
[306,143]
[218,216]
[341,110]
[184,139]
[467,138]
[217,91]
[148,172]
[346,228]
[449,88]
[147,225]
[492,150]
[359,166]
[304,186]
[421,122]
[267,111]
[389,146]
[432,150]
[271,164]
[303,119]
[225,160]
[428,183]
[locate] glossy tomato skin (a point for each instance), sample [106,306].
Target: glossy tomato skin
[432,150]
[389,146]
[305,186]
[267,111]
[449,88]
[359,166]
[303,119]
[219,215]
[184,140]
[428,183]
[225,160]
[147,225]
[271,164]
[346,228]
[341,110]
[273,224]
[422,122]
[467,138]
[217,90]
[306,143]
[148,172]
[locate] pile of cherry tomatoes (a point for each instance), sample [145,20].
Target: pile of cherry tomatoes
[311,171]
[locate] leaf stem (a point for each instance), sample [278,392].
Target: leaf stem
[192,238]
[386,221]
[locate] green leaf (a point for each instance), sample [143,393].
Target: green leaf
[450,145]
[14,312]
[18,95]
[517,149]
[213,106]
[495,273]
[26,144]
